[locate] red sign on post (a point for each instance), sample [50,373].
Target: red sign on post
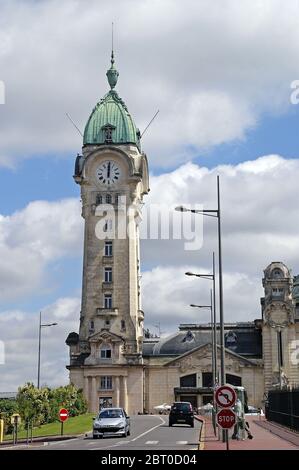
[225,396]
[226,418]
[63,414]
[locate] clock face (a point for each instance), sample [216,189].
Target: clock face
[108,173]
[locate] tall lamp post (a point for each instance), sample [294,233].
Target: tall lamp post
[210,307]
[216,213]
[41,325]
[211,277]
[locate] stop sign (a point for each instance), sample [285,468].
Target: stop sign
[226,418]
[63,414]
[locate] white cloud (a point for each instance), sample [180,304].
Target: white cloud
[31,238]
[212,72]
[19,332]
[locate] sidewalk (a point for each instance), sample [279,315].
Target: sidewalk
[266,436]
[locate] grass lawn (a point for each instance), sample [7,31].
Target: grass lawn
[77,425]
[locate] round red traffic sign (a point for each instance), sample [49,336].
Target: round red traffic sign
[226,418]
[63,414]
[225,396]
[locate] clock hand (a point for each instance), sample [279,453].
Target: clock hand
[108,170]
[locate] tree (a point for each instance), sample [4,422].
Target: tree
[7,409]
[33,403]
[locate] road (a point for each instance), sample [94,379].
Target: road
[148,432]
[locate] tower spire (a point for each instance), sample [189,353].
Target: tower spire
[112,73]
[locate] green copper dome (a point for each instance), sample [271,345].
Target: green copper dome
[110,121]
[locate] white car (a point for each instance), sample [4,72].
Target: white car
[162,408]
[111,421]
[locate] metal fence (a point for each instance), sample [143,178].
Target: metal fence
[282,406]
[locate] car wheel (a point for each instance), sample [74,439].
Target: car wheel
[170,424]
[94,436]
[129,432]
[192,425]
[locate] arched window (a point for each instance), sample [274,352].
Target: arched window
[99,199]
[108,199]
[277,273]
[105,352]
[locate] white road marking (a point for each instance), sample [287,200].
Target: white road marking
[135,438]
[152,442]
[181,443]
[149,430]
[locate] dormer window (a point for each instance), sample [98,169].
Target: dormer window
[107,133]
[105,352]
[108,199]
[277,274]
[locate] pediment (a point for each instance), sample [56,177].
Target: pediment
[200,357]
[105,336]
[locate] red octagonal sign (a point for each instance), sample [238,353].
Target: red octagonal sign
[226,418]
[63,414]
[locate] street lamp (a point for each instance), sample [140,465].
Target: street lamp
[210,307]
[215,213]
[41,325]
[211,277]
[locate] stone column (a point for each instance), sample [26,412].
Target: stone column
[125,392]
[86,391]
[116,387]
[94,395]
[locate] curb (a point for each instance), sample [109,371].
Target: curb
[201,443]
[9,444]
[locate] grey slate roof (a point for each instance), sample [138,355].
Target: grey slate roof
[8,395]
[242,338]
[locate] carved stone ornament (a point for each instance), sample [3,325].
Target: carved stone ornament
[282,307]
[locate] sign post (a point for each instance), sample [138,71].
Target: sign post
[225,397]
[63,416]
[15,420]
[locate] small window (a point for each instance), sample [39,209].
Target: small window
[91,325]
[106,382]
[108,248]
[108,301]
[108,275]
[105,352]
[277,292]
[123,325]
[108,199]
[117,198]
[99,199]
[107,322]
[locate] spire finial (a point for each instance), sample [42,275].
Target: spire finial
[112,73]
[112,52]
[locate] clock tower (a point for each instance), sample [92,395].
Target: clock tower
[106,355]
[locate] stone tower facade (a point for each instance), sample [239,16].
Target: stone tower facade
[106,357]
[279,327]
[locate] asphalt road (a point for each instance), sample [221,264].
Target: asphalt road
[149,432]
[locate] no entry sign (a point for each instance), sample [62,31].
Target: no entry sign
[225,396]
[226,418]
[63,414]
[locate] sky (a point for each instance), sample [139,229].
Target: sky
[223,81]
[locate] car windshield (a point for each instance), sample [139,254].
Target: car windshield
[182,407]
[111,414]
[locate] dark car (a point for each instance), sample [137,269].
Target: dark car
[181,412]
